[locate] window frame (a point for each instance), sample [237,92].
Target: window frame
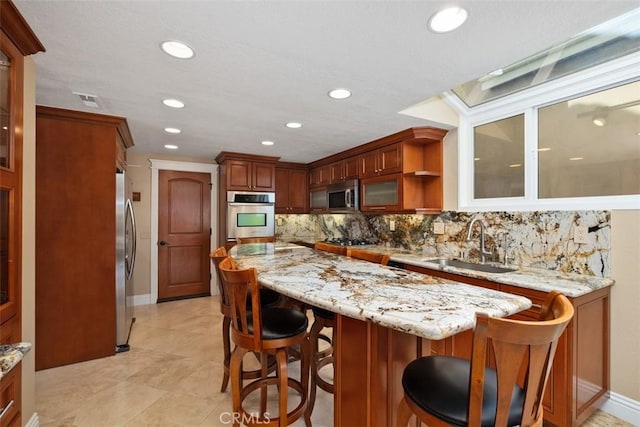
[611,74]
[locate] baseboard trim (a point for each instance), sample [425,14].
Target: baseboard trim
[34,421]
[622,407]
[144,299]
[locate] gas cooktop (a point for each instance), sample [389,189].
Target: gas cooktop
[348,242]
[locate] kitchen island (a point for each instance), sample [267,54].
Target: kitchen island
[386,317]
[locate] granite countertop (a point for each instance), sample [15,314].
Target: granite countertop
[539,279]
[11,355]
[414,303]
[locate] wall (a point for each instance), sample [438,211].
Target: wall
[140,175]
[29,240]
[625,302]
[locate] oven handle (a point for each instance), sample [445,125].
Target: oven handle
[249,204]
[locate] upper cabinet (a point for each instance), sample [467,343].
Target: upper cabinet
[320,175]
[382,161]
[400,173]
[344,170]
[291,188]
[243,172]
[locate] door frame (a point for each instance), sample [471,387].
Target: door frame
[156,167]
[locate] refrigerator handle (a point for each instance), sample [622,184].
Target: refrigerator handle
[131,264]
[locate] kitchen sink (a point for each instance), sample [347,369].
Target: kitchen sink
[487,268]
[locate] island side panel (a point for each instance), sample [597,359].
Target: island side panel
[369,361]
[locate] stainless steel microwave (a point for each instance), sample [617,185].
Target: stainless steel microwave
[343,196]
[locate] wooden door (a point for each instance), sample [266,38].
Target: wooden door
[350,168]
[184,234]
[368,164]
[282,190]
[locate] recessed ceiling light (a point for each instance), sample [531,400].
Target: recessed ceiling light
[171,147]
[576,158]
[515,165]
[173,103]
[177,49]
[340,93]
[267,142]
[544,149]
[172,130]
[448,19]
[599,121]
[294,125]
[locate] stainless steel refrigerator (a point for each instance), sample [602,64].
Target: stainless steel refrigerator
[125,260]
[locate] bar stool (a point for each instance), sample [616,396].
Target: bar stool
[268,298]
[264,330]
[327,319]
[446,390]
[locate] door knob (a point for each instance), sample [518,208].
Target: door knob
[163,243]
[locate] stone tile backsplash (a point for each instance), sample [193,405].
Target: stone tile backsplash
[535,239]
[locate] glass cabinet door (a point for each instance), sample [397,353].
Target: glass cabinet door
[381,193]
[10,170]
[318,199]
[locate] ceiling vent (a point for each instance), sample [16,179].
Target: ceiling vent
[88,100]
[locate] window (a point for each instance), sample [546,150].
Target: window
[590,145]
[498,158]
[573,143]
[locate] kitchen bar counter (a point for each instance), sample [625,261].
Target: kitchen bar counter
[413,303]
[385,318]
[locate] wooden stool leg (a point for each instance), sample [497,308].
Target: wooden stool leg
[404,414]
[236,379]
[305,373]
[263,389]
[313,351]
[281,360]
[226,342]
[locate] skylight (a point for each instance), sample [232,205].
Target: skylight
[605,42]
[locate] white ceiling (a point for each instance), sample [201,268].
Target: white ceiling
[261,64]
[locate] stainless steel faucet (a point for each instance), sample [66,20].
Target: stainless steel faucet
[483,251]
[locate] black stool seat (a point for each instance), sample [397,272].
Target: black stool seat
[280,322]
[440,386]
[321,312]
[268,298]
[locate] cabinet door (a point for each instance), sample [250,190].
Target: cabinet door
[390,159]
[282,190]
[381,194]
[320,175]
[368,164]
[263,175]
[336,172]
[318,200]
[350,168]
[298,191]
[238,175]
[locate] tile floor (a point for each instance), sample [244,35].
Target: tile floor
[170,377]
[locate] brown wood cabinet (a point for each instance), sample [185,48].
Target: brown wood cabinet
[344,170]
[77,155]
[292,191]
[400,173]
[242,172]
[17,40]
[579,378]
[320,175]
[382,161]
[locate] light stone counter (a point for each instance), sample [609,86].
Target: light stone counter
[571,284]
[414,303]
[11,355]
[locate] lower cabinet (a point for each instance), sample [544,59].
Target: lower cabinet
[10,397]
[579,379]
